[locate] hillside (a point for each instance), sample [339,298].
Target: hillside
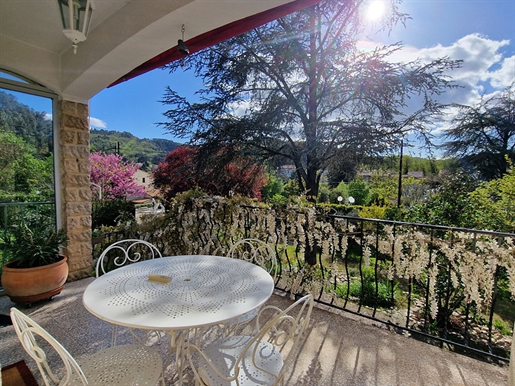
[26,123]
[146,151]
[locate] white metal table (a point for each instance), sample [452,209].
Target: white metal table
[203,291]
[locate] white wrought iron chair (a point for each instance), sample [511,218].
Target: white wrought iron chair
[125,252]
[257,252]
[122,253]
[132,364]
[261,359]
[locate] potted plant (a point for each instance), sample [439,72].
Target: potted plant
[36,270]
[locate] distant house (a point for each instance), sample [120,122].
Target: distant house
[144,179]
[287,170]
[416,175]
[367,174]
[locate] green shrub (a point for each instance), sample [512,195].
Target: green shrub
[501,326]
[274,187]
[278,199]
[112,212]
[372,211]
[366,290]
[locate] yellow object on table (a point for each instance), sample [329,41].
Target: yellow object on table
[159,278]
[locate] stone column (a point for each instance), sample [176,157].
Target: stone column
[75,187]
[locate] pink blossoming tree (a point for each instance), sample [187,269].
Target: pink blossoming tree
[114,176]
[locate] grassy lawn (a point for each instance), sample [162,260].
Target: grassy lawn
[504,316]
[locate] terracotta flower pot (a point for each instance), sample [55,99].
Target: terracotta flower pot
[27,285]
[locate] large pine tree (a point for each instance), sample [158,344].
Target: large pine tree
[483,136]
[299,88]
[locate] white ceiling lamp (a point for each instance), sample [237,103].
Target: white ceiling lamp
[76,18]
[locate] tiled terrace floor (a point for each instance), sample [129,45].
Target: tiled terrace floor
[339,350]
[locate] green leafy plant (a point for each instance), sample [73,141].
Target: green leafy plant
[35,242]
[366,290]
[112,212]
[502,327]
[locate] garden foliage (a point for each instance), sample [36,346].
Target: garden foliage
[114,175]
[482,137]
[497,199]
[180,173]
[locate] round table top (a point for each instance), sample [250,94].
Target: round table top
[203,290]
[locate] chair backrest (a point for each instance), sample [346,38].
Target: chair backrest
[125,252]
[257,252]
[284,329]
[33,337]
[262,358]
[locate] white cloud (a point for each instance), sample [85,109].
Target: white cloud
[486,70]
[97,123]
[479,55]
[484,67]
[445,123]
[239,109]
[505,75]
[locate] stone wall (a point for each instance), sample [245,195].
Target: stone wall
[75,186]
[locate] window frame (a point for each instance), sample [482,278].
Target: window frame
[21,84]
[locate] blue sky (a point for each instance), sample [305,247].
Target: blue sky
[481,32]
[135,106]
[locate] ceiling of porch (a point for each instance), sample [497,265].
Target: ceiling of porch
[124,35]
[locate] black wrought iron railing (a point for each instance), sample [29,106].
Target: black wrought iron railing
[447,286]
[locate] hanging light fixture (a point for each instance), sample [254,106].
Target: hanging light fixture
[76,18]
[183,49]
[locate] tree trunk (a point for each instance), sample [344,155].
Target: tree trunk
[311,126]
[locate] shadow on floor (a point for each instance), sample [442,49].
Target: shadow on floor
[338,350]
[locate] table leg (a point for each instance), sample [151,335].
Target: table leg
[182,341]
[178,341]
[114,335]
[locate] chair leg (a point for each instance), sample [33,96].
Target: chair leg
[114,335]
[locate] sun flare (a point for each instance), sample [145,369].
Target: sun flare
[376,10]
